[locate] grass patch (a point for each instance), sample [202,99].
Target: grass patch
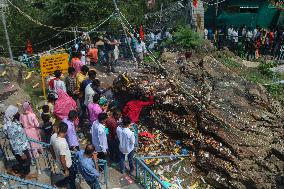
[268,79]
[34,94]
[229,62]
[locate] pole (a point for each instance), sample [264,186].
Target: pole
[75,33]
[123,27]
[187,12]
[6,33]
[217,7]
[161,15]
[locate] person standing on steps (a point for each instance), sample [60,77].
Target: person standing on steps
[88,166]
[126,145]
[31,127]
[60,151]
[94,109]
[19,143]
[70,82]
[77,63]
[140,49]
[99,138]
[93,55]
[71,135]
[109,48]
[111,124]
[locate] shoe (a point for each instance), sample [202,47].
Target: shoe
[31,176]
[12,172]
[113,165]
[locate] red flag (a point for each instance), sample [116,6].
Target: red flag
[195,3]
[141,33]
[29,47]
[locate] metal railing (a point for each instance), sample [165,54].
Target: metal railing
[146,177]
[103,168]
[11,182]
[48,162]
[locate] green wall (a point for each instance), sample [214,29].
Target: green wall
[265,17]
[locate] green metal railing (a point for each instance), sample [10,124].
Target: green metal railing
[146,177]
[11,182]
[48,164]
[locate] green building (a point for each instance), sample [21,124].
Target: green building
[242,12]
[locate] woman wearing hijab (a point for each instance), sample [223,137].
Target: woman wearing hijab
[31,127]
[19,143]
[63,105]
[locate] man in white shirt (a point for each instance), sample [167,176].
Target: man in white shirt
[99,139]
[140,50]
[205,33]
[236,36]
[62,154]
[89,93]
[249,35]
[56,83]
[230,33]
[126,145]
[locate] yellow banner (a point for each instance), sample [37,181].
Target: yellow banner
[50,63]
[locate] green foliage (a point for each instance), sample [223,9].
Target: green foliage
[67,13]
[275,89]
[148,60]
[268,78]
[185,37]
[265,69]
[227,60]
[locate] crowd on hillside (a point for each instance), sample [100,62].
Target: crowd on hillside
[249,42]
[108,49]
[78,102]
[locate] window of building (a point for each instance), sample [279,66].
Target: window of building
[248,9]
[241,9]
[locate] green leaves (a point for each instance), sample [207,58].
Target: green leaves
[187,38]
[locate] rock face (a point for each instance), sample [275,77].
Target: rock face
[11,85]
[232,125]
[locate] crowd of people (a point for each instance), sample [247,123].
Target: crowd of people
[248,42]
[77,103]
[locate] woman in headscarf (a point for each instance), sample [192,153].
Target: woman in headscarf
[19,143]
[31,127]
[63,105]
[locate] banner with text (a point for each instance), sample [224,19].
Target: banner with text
[50,63]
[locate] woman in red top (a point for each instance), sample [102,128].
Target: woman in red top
[134,107]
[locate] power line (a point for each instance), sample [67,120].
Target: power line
[210,4]
[90,31]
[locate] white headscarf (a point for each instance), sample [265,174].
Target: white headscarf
[9,114]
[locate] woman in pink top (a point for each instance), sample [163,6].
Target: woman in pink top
[76,63]
[94,109]
[31,127]
[63,105]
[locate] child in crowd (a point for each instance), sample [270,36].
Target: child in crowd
[50,102]
[47,125]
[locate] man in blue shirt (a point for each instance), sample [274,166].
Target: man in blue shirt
[88,166]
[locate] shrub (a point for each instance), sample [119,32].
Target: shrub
[265,69]
[187,38]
